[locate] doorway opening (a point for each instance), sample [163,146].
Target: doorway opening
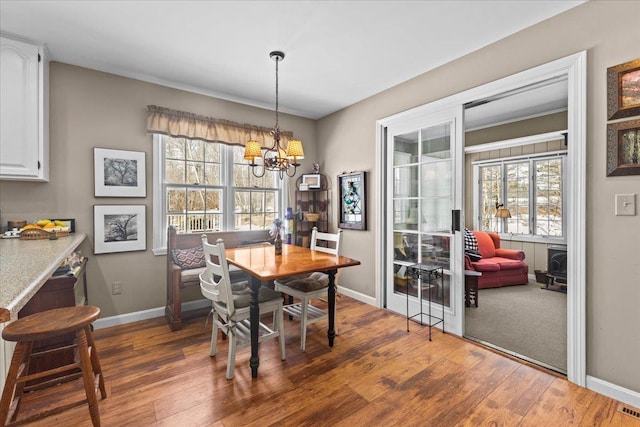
[515,192]
[571,69]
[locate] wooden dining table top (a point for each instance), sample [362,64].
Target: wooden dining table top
[262,262]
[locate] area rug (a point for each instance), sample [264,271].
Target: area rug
[524,319]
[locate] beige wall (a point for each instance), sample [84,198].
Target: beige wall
[93,109]
[610,34]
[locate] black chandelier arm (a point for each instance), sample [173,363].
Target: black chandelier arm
[276,158]
[255,167]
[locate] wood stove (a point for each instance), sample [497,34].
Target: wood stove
[557,263]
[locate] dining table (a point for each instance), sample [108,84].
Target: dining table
[263,265]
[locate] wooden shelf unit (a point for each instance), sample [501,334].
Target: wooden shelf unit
[315,200]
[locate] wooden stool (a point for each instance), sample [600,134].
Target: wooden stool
[42,326]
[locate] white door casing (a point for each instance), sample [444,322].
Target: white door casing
[574,67]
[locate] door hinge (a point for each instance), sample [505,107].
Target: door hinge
[39,58]
[38,164]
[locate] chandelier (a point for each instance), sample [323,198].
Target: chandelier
[276,157]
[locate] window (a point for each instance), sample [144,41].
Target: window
[531,188]
[206,186]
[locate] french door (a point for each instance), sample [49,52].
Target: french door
[424,176]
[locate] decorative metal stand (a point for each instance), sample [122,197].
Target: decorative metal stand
[427,275]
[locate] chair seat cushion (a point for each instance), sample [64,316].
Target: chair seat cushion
[484,265]
[313,282]
[242,299]
[508,264]
[193,274]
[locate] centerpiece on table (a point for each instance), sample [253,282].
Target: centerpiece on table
[274,232]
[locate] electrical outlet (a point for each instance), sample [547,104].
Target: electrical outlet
[625,204]
[116,288]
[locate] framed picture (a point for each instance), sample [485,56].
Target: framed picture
[352,201]
[119,173]
[623,148]
[311,181]
[119,228]
[623,90]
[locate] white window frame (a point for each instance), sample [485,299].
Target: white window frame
[532,237]
[159,195]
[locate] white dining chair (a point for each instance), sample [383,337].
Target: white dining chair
[309,287]
[231,309]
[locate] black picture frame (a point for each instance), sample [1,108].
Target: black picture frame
[353,201]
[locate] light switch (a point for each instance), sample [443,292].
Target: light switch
[625,204]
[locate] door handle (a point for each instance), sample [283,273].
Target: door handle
[455,220]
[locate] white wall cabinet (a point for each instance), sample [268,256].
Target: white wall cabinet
[24,115]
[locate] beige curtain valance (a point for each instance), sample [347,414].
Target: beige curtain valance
[181,124]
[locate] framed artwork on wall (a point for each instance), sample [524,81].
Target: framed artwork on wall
[623,90]
[312,181]
[352,201]
[119,228]
[623,148]
[119,173]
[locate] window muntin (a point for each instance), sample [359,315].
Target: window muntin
[548,197]
[517,188]
[532,190]
[195,196]
[422,197]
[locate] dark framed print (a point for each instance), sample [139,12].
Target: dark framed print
[312,181]
[623,90]
[119,228]
[623,148]
[352,187]
[119,173]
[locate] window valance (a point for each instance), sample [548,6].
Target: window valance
[181,124]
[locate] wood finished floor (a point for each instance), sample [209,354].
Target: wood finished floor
[376,374]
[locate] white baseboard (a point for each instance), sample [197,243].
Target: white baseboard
[151,313]
[613,391]
[357,296]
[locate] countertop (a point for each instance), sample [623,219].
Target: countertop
[25,265]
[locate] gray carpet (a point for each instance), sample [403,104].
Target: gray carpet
[523,319]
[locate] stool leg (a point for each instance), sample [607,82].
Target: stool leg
[12,393]
[95,362]
[87,376]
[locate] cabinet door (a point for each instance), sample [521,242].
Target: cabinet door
[20,148]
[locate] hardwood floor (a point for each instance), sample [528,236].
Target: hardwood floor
[376,374]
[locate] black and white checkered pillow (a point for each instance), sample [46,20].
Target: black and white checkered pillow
[470,241]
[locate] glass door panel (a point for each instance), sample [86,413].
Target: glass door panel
[422,201]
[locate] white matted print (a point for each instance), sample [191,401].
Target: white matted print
[119,173]
[119,228]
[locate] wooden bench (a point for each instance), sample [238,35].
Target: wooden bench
[178,279]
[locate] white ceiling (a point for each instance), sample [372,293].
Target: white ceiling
[337,52]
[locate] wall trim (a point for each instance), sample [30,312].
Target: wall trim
[613,391]
[516,142]
[123,319]
[366,299]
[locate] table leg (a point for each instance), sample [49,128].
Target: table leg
[331,333]
[254,318]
